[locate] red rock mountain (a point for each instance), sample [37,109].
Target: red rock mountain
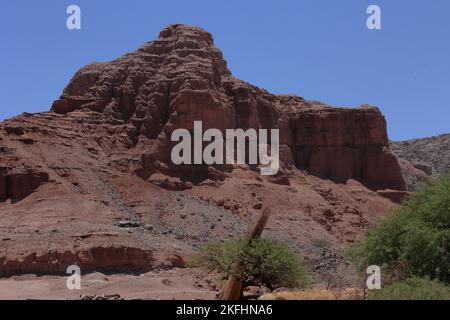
[91,182]
[182,77]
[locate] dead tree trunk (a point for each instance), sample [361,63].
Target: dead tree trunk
[234,286]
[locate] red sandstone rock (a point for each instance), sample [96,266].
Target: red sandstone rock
[414,177]
[3,185]
[394,195]
[22,182]
[118,259]
[423,167]
[14,130]
[109,133]
[169,183]
[280,178]
[19,182]
[182,77]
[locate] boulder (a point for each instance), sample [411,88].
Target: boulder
[169,183]
[394,195]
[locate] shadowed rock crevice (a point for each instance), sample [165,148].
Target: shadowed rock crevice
[18,183]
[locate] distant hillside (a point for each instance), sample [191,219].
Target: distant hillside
[420,158]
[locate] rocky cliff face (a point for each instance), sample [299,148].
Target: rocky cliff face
[182,77]
[18,179]
[93,177]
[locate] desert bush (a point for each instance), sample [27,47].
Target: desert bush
[264,262]
[413,289]
[414,240]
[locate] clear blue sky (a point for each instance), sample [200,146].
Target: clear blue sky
[318,49]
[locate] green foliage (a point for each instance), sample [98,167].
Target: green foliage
[264,262]
[217,255]
[414,240]
[413,289]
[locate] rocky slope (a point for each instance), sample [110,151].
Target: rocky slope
[423,158]
[91,182]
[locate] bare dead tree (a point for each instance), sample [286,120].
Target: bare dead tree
[233,288]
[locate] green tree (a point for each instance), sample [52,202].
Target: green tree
[414,240]
[413,289]
[265,262]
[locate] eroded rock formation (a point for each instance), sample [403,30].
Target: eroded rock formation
[101,158]
[116,259]
[182,77]
[18,179]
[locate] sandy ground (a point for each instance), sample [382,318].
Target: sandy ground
[178,284]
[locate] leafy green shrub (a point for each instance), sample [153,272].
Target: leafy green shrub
[217,255]
[413,289]
[264,262]
[415,239]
